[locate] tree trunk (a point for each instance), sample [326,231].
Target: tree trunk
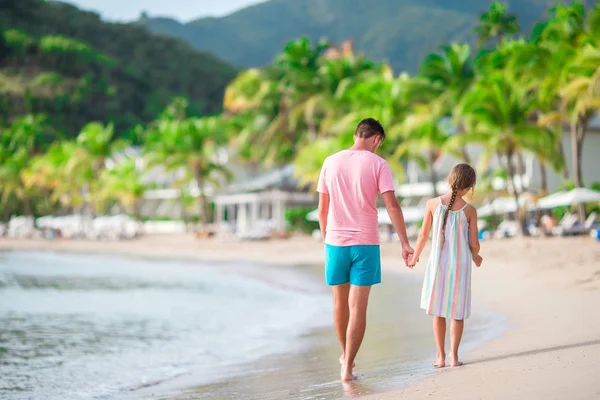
[27,205]
[511,174]
[203,203]
[577,135]
[520,169]
[25,200]
[137,215]
[463,149]
[561,150]
[576,147]
[543,178]
[465,156]
[312,127]
[433,173]
[184,214]
[137,210]
[6,213]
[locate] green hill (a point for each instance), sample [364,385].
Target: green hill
[398,31]
[69,64]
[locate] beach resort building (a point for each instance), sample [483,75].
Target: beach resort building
[253,208]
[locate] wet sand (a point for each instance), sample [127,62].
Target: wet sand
[395,353]
[548,291]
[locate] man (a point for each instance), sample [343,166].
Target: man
[348,187]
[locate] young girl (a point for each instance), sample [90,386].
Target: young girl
[447,286]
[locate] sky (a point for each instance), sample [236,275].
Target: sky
[182,10]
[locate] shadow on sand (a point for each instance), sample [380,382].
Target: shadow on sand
[536,351]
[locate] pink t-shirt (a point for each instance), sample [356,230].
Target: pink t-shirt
[353,179]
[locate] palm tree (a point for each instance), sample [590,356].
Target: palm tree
[296,96]
[293,75]
[572,38]
[190,144]
[424,140]
[497,112]
[250,90]
[18,143]
[57,172]
[336,70]
[581,93]
[374,93]
[381,96]
[495,24]
[123,183]
[532,66]
[11,180]
[449,76]
[94,145]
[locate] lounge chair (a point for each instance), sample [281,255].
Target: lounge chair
[507,229]
[565,225]
[585,228]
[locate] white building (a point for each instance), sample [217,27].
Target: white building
[257,206]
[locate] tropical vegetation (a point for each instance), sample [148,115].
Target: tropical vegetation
[509,94]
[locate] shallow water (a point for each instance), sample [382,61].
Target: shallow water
[85,326]
[100,327]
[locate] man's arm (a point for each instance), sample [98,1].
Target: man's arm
[323,212]
[395,212]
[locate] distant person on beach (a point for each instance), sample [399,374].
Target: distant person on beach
[348,187]
[447,286]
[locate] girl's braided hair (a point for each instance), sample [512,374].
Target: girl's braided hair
[461,177]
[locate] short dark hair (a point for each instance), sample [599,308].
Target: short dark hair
[369,127]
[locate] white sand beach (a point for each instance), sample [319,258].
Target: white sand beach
[548,290]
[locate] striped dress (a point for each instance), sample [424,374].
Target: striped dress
[447,285]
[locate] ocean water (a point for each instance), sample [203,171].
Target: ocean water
[75,326]
[89,326]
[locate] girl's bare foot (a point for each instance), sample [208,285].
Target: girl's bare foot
[342,361]
[454,361]
[440,361]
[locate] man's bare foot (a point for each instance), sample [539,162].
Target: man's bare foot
[454,361]
[440,361]
[346,374]
[342,361]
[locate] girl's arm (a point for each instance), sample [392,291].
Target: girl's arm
[424,234]
[474,235]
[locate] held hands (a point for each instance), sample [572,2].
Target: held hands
[408,255]
[412,261]
[477,260]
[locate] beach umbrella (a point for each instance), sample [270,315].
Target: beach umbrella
[313,216]
[411,215]
[546,202]
[572,197]
[502,205]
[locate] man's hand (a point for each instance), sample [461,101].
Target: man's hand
[412,261]
[407,253]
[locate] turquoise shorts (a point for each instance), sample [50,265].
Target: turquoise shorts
[359,265]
